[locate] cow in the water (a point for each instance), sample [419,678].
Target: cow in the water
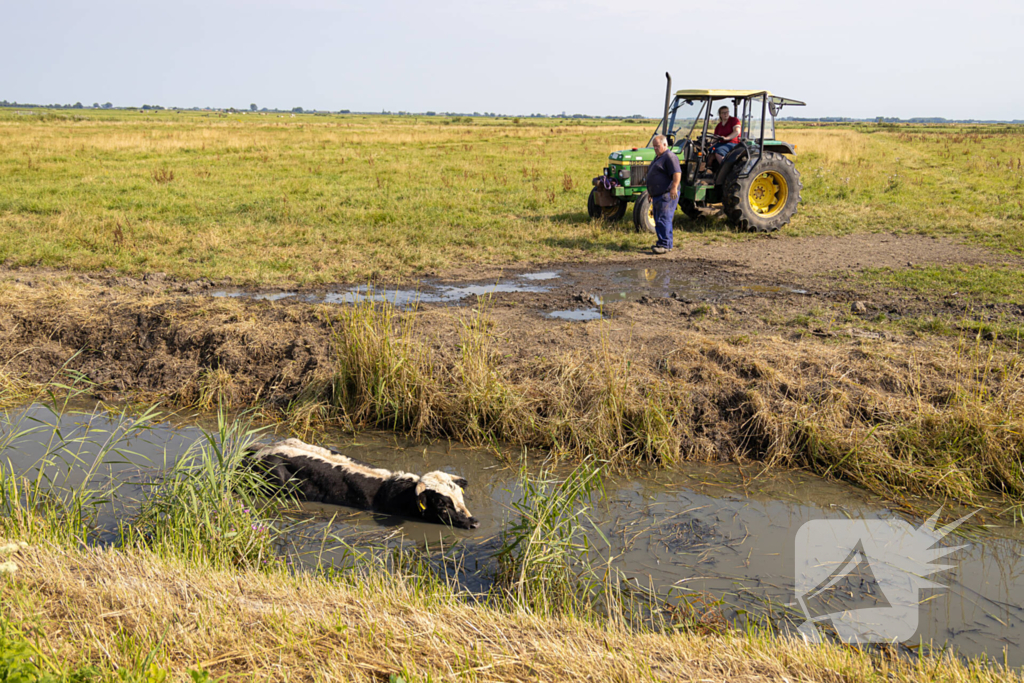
[326,476]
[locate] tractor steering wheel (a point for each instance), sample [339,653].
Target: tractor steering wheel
[709,140]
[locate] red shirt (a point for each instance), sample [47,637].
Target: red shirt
[724,129]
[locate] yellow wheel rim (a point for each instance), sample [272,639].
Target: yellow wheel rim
[650,212]
[768,194]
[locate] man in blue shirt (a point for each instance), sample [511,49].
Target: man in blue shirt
[663,178]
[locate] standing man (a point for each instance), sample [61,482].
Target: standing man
[663,178]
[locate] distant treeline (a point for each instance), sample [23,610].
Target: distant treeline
[889,119]
[563,115]
[299,110]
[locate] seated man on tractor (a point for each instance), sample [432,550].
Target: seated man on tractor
[728,129]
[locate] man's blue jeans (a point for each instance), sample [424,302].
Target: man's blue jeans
[664,210]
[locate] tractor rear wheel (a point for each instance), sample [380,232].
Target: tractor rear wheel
[608,213]
[767,198]
[643,214]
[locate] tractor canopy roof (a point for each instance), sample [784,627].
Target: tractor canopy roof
[733,94]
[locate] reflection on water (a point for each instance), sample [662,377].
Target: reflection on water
[577,314]
[430,293]
[695,529]
[635,283]
[609,283]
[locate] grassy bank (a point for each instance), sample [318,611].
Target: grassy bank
[131,612]
[276,199]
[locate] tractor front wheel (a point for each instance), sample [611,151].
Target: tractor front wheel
[691,208]
[608,213]
[643,214]
[767,198]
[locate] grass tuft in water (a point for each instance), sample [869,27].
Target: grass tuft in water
[545,563]
[210,507]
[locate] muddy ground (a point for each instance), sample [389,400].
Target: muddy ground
[775,256]
[704,359]
[158,335]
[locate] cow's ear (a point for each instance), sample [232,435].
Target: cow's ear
[460,482]
[421,502]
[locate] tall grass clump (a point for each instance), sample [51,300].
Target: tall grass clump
[209,507]
[383,376]
[545,563]
[386,376]
[63,492]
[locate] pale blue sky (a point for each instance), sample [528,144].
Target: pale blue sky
[862,59]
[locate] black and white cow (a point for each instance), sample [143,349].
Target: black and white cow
[326,476]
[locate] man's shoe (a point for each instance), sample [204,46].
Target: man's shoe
[659,250]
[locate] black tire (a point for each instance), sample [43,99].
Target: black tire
[691,208]
[608,213]
[748,202]
[643,214]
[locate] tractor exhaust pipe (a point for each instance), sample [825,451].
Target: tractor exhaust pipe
[668,94]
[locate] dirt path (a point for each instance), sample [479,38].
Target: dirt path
[775,256]
[825,254]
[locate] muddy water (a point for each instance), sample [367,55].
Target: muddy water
[604,284]
[430,293]
[697,530]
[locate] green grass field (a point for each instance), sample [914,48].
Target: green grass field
[305,199]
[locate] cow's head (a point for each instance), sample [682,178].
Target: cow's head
[439,499]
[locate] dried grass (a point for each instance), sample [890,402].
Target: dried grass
[115,609]
[831,145]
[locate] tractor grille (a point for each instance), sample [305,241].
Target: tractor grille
[638,174]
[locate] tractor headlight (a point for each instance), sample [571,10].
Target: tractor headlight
[624,172]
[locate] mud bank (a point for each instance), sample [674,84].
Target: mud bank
[662,379]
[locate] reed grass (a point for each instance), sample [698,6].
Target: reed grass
[546,562]
[59,497]
[210,505]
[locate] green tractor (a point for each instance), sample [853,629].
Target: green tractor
[756,184]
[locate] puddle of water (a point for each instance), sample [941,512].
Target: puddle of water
[544,275]
[451,293]
[259,296]
[629,284]
[696,528]
[403,298]
[765,289]
[635,283]
[578,314]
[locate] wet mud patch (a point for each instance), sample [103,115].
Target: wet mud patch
[555,294]
[691,536]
